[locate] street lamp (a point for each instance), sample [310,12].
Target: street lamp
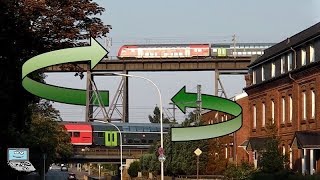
[161,127]
[105,122]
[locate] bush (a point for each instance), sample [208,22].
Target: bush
[243,171]
[134,169]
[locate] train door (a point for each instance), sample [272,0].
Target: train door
[107,139]
[114,138]
[222,52]
[111,138]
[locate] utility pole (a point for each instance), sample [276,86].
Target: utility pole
[234,45]
[174,111]
[199,103]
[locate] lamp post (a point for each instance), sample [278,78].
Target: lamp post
[105,122]
[162,159]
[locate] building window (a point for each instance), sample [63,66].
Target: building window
[312,55]
[272,111]
[289,56]
[273,69]
[290,157]
[283,149]
[304,103]
[263,114]
[254,117]
[254,77]
[262,73]
[283,64]
[283,109]
[303,57]
[290,108]
[226,150]
[313,104]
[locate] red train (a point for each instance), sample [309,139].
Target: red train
[166,51]
[138,135]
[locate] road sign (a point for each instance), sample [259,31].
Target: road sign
[162,158]
[198,152]
[161,151]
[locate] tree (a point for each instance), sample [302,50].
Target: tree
[272,160]
[29,28]
[46,136]
[156,116]
[134,169]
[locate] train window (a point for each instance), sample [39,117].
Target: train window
[130,141]
[133,128]
[146,129]
[150,141]
[136,140]
[112,137]
[76,134]
[108,137]
[125,128]
[153,129]
[100,134]
[144,141]
[139,129]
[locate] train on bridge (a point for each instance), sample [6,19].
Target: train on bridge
[134,135]
[175,51]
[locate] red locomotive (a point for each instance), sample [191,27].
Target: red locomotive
[80,133]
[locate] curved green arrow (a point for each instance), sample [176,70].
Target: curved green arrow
[183,100]
[94,53]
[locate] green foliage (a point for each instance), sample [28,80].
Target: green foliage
[243,171]
[29,28]
[271,159]
[46,136]
[155,118]
[134,169]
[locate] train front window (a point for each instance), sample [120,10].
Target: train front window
[76,134]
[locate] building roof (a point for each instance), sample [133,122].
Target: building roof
[306,139]
[286,44]
[256,143]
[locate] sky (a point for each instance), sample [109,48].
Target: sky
[186,21]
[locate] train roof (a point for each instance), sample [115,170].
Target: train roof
[167,45]
[242,44]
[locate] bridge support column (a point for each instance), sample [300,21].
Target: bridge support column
[216,82]
[89,107]
[125,103]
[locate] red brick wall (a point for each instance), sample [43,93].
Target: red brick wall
[306,80]
[244,132]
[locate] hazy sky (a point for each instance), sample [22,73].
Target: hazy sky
[187,21]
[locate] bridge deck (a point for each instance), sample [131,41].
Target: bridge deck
[238,64]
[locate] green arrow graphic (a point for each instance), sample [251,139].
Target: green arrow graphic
[94,53]
[183,100]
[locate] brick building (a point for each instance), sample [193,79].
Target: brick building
[283,88]
[233,145]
